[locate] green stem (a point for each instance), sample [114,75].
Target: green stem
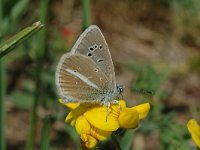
[30,143]
[1,15]
[86,13]
[2,92]
[2,106]
[44,5]
[38,72]
[45,134]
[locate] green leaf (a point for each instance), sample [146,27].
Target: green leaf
[17,39]
[127,139]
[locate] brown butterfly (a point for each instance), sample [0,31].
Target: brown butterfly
[86,74]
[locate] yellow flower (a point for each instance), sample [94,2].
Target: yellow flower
[96,122]
[194,130]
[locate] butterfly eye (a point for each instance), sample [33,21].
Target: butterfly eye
[100,46]
[95,46]
[91,48]
[89,54]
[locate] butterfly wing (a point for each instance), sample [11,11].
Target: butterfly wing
[79,79]
[92,44]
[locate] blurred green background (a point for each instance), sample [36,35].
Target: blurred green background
[155,46]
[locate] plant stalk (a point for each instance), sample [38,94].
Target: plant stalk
[86,14]
[38,73]
[44,144]
[2,91]
[2,106]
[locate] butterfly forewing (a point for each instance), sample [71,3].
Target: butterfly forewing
[78,78]
[92,44]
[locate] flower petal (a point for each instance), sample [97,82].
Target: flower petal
[194,130]
[97,117]
[72,105]
[122,103]
[69,105]
[89,141]
[142,109]
[76,113]
[82,125]
[100,134]
[128,118]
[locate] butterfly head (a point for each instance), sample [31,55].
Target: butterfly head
[120,88]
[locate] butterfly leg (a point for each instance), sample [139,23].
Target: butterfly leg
[107,104]
[116,102]
[108,107]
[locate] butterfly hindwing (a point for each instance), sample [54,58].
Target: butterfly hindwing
[78,78]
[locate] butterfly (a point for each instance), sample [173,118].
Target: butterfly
[86,73]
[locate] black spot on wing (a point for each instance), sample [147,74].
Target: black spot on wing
[89,54]
[100,60]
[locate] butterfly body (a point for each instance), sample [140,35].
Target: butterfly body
[86,74]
